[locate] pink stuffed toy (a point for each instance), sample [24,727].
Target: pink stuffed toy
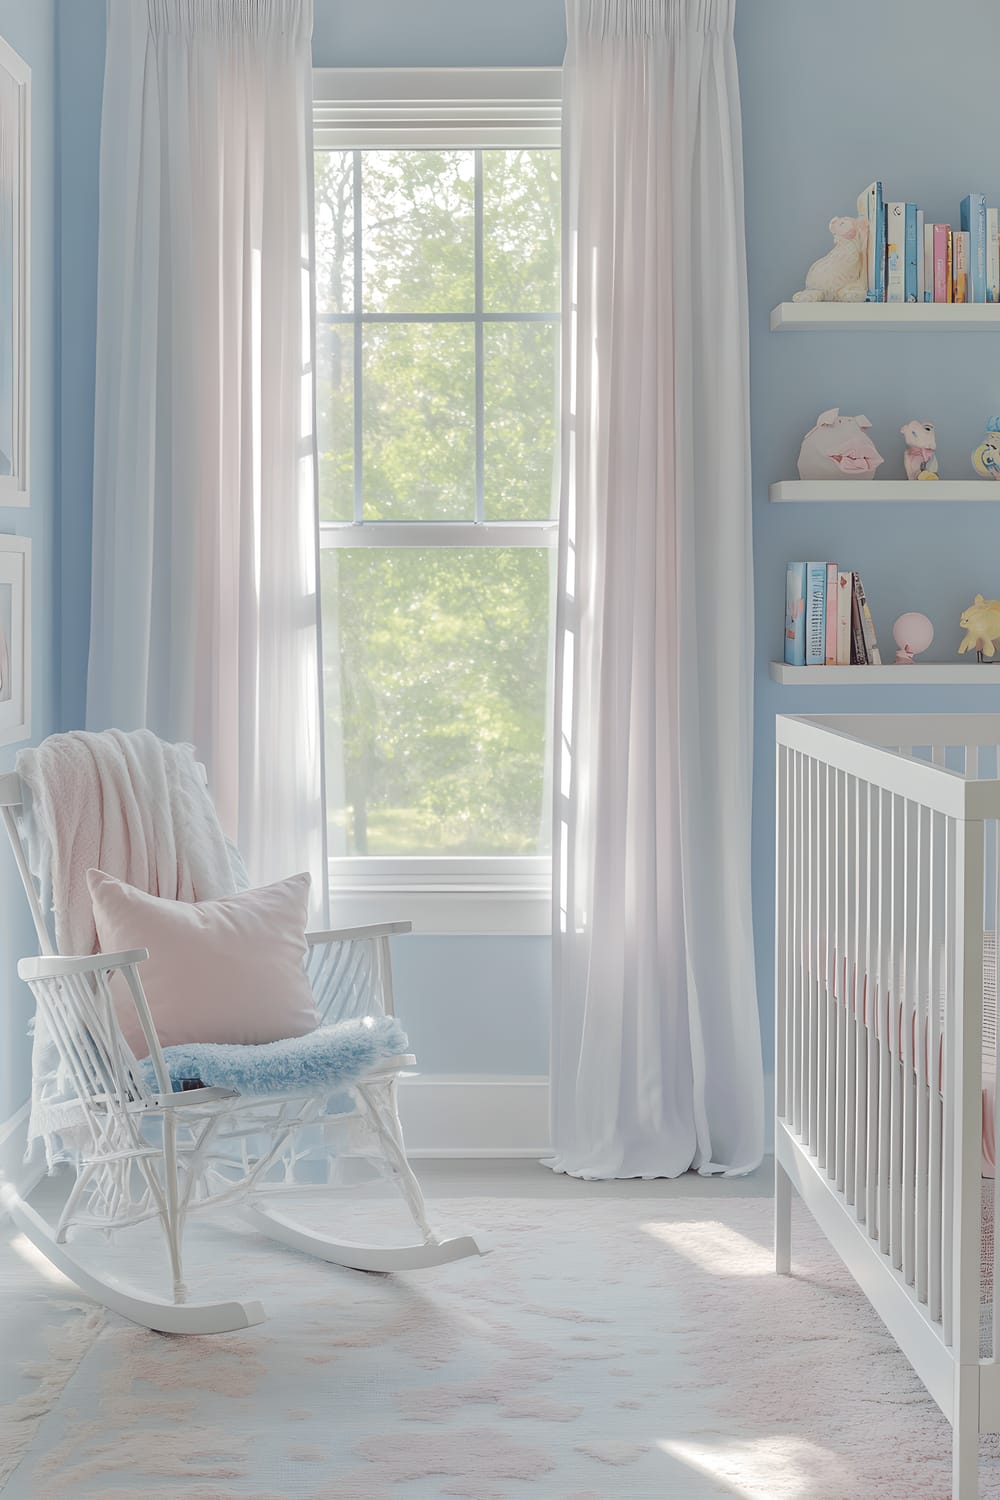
[837,448]
[920,460]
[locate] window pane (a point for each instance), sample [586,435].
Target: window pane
[419,422]
[335,420]
[417,239]
[334,217]
[519,390]
[521,231]
[440,698]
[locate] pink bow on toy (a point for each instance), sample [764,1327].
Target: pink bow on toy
[926,454]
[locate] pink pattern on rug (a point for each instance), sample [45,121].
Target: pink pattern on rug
[614,1452]
[485,1453]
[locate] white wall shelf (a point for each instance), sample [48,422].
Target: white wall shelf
[938,674]
[810,316]
[898,490]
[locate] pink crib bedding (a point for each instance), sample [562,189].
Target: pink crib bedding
[989,1040]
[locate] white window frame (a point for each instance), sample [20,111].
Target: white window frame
[464,108]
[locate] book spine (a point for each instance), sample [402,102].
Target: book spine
[961,286]
[859,656]
[865,206]
[795,614]
[928,292]
[879,228]
[921,246]
[867,624]
[950,277]
[973,222]
[895,237]
[940,269]
[844,594]
[910,255]
[831,614]
[992,255]
[815,614]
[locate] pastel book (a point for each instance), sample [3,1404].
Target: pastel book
[816,614]
[795,614]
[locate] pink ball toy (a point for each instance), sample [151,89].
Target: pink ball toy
[912,634]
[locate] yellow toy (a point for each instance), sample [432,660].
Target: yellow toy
[986,458]
[981,623]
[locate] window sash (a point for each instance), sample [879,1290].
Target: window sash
[477,318]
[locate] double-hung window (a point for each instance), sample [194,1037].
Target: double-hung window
[437,199]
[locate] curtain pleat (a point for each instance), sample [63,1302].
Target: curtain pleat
[656,1063]
[204,605]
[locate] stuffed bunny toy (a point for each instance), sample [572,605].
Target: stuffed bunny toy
[841,275]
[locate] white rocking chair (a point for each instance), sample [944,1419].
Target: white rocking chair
[161,1154]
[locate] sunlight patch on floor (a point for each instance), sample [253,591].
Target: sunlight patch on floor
[756,1470]
[22,1246]
[714,1248]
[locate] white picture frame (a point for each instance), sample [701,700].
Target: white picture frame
[15,260]
[15,639]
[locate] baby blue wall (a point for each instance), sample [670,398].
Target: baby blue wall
[828,105]
[30,30]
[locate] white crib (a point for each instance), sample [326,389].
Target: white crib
[888,907]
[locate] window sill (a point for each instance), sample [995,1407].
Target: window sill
[451,910]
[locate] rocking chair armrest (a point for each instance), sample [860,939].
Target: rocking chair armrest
[57,966]
[345,934]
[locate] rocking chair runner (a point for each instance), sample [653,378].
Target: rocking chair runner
[144,1152]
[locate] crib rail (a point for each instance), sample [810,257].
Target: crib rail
[888,898]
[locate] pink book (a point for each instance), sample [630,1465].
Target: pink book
[831,614]
[845,590]
[941,263]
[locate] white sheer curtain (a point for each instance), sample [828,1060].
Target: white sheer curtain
[204,614]
[656,1047]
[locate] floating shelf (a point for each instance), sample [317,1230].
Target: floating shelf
[809,316]
[899,490]
[939,674]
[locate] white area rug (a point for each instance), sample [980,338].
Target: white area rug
[608,1348]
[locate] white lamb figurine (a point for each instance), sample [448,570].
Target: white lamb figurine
[841,275]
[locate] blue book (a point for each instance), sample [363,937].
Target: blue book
[872,208]
[910,255]
[795,615]
[815,614]
[973,211]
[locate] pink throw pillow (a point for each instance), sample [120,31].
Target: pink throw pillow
[229,970]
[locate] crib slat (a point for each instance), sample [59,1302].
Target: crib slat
[863,1016]
[895,1009]
[907,1022]
[922,1042]
[884,987]
[990,1061]
[947,1092]
[966,1076]
[782,835]
[820,961]
[855,998]
[934,947]
[798,856]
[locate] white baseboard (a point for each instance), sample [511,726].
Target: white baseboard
[469,1115]
[21,1174]
[474,1116]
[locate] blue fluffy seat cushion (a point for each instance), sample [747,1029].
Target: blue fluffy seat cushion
[322,1059]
